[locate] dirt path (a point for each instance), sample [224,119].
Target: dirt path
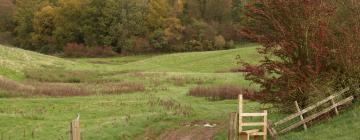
[197,131]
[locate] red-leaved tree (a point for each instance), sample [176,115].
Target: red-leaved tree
[309,50]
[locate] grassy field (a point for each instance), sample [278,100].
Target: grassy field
[109,113]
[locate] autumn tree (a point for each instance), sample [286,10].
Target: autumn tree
[237,10]
[68,21]
[219,10]
[304,49]
[23,18]
[44,26]
[158,11]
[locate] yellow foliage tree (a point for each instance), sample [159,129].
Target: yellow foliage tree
[43,25]
[158,12]
[178,8]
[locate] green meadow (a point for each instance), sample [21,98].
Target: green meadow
[160,104]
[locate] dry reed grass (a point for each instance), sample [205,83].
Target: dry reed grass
[122,87]
[223,92]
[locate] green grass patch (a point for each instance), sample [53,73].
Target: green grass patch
[162,105]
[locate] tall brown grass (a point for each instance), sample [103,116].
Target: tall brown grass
[122,87]
[59,90]
[13,88]
[171,105]
[10,88]
[182,80]
[223,92]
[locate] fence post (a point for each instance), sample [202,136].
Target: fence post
[301,116]
[265,124]
[240,112]
[233,126]
[271,129]
[75,129]
[335,107]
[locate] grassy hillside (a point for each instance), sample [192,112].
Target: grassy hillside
[14,61]
[163,104]
[204,62]
[167,79]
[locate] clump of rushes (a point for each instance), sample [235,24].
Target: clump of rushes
[223,92]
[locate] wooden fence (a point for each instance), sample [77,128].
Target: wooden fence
[300,113]
[75,129]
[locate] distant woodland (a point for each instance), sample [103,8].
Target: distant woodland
[121,26]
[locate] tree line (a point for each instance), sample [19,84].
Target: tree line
[124,26]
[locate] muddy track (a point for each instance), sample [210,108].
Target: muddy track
[192,132]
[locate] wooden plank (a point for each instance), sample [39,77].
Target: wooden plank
[253,124]
[233,126]
[290,117]
[251,131]
[316,115]
[335,107]
[258,134]
[271,129]
[265,125]
[244,136]
[240,111]
[301,116]
[253,114]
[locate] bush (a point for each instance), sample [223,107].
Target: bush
[80,50]
[219,42]
[223,92]
[141,45]
[75,50]
[310,44]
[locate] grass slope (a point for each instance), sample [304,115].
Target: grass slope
[14,61]
[127,116]
[343,127]
[138,115]
[192,62]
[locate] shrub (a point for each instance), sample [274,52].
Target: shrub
[230,44]
[75,50]
[223,92]
[141,45]
[100,51]
[306,44]
[219,42]
[80,50]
